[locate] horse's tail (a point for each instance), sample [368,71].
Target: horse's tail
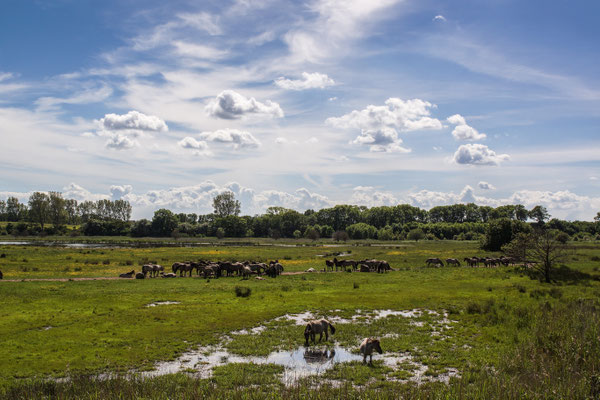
[332,327]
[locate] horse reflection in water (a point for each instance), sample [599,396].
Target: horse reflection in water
[318,356]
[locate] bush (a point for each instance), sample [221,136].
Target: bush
[361,231]
[415,234]
[340,235]
[474,308]
[241,291]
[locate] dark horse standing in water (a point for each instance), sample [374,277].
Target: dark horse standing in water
[320,326]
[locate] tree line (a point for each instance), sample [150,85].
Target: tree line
[53,209]
[342,222]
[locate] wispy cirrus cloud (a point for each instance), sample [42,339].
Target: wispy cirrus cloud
[313,80]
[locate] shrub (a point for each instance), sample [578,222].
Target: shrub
[128,262]
[474,308]
[340,235]
[106,262]
[415,234]
[241,291]
[356,286]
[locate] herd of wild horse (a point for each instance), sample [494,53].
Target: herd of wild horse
[472,262]
[372,265]
[208,269]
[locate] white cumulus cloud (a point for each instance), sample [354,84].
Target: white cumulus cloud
[133,120]
[381,140]
[379,124]
[232,105]
[370,197]
[119,191]
[478,154]
[119,141]
[486,186]
[234,137]
[404,115]
[462,131]
[199,147]
[313,80]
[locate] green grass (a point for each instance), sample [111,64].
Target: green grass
[502,318]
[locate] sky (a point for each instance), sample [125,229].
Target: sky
[302,104]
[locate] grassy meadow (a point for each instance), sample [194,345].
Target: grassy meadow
[510,335]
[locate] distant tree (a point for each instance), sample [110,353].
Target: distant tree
[163,222]
[597,217]
[39,208]
[502,231]
[541,246]
[415,234]
[72,211]
[361,231]
[385,233]
[297,234]
[57,210]
[312,233]
[521,212]
[141,228]
[220,233]
[225,204]
[14,209]
[2,210]
[539,214]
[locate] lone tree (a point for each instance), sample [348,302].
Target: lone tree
[225,205]
[543,247]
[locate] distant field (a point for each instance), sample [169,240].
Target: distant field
[82,327]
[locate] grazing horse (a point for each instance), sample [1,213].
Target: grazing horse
[367,346]
[471,262]
[364,268]
[329,264]
[140,275]
[383,266]
[183,268]
[320,326]
[246,272]
[1,276]
[128,274]
[452,261]
[169,275]
[434,261]
[345,263]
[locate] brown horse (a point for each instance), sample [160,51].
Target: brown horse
[320,326]
[368,346]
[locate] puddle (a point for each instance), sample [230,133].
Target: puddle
[162,303]
[310,361]
[298,363]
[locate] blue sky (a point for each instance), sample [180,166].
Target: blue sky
[302,104]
